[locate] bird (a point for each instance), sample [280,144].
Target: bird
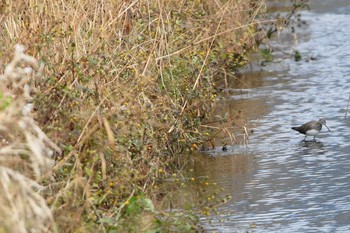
[311,128]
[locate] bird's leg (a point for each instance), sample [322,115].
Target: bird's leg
[304,139]
[314,138]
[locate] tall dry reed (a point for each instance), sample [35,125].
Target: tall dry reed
[125,88]
[25,150]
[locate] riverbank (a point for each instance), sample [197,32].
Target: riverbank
[279,183]
[125,90]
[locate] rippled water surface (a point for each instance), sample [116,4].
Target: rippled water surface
[279,183]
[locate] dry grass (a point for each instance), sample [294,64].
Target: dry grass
[124,90]
[26,152]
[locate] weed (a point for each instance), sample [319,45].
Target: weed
[124,90]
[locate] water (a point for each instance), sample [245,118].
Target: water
[279,183]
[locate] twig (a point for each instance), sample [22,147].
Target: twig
[213,36]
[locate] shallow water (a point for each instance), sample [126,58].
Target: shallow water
[278,182]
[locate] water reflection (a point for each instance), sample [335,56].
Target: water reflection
[279,183]
[311,144]
[232,172]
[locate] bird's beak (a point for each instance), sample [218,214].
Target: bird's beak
[328,128]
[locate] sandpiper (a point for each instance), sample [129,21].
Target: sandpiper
[311,128]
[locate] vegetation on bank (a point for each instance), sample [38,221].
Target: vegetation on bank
[121,89]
